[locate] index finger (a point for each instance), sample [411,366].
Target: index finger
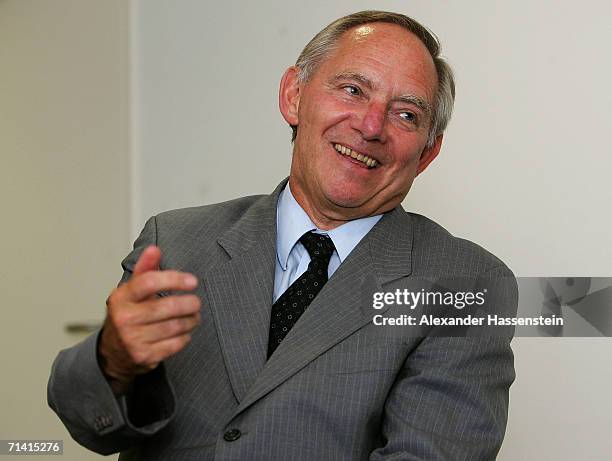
[141,287]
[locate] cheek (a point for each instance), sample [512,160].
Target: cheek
[322,112]
[405,170]
[411,148]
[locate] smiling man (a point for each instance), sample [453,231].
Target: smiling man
[364,120]
[274,355]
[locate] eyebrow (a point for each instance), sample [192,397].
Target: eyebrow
[417,101]
[407,98]
[354,76]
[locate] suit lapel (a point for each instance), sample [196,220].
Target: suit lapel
[341,307]
[239,292]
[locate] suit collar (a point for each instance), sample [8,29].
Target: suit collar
[258,223]
[390,243]
[239,291]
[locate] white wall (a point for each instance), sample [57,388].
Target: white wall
[523,171]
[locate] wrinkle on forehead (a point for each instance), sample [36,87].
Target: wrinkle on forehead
[389,39]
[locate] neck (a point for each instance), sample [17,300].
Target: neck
[323,221]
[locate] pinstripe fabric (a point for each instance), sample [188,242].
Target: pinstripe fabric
[337,387]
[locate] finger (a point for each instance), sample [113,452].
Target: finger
[168,347]
[153,333]
[167,308]
[148,261]
[145,285]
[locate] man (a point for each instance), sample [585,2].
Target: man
[229,372]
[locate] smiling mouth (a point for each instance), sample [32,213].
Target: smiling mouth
[369,162]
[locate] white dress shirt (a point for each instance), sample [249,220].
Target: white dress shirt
[292,258]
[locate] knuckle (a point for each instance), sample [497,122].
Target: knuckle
[157,310]
[147,282]
[121,317]
[194,320]
[177,326]
[166,276]
[167,329]
[170,304]
[196,302]
[176,277]
[190,304]
[112,300]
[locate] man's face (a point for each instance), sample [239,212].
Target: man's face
[373,95]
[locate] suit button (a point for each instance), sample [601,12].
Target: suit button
[232,434]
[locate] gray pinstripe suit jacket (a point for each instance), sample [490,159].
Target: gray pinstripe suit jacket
[337,388]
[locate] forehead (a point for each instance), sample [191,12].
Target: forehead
[385,53]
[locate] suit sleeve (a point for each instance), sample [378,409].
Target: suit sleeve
[450,400]
[82,398]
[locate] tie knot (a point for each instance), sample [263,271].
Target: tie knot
[320,247]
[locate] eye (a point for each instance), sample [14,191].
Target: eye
[352,90]
[408,116]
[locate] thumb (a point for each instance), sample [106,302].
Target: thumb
[148,261]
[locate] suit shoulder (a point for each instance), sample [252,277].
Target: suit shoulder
[217,215]
[435,247]
[189,236]
[199,227]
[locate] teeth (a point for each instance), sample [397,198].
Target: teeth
[370,162]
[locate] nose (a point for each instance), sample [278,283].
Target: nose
[370,122]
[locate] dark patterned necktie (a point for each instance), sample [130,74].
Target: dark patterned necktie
[293,302]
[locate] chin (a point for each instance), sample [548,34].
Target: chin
[347,200]
[342,193]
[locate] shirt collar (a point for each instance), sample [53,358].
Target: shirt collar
[292,222]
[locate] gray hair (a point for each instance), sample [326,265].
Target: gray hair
[326,41]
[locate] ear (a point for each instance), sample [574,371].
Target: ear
[429,154]
[289,95]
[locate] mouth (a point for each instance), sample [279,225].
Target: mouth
[363,158]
